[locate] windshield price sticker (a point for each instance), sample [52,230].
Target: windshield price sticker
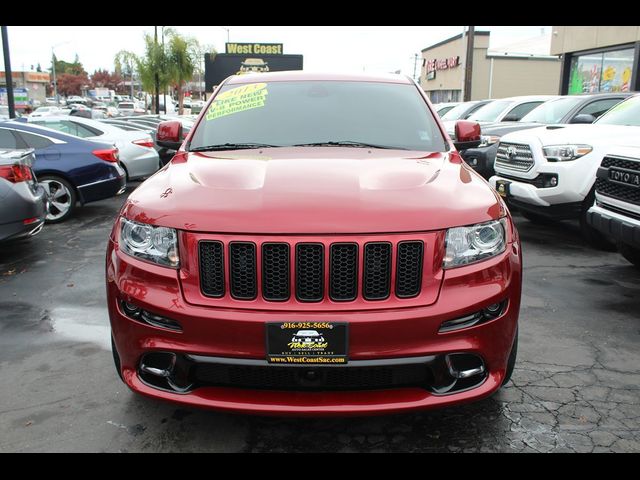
[240,99]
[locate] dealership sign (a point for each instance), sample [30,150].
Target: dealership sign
[441,64]
[254,48]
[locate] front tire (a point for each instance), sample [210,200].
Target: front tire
[630,253]
[61,197]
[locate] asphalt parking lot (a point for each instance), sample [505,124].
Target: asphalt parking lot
[575,387]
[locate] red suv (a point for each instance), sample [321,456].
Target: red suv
[315,247]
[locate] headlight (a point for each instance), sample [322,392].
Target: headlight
[486,140]
[564,153]
[155,244]
[472,244]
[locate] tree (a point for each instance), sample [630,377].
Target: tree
[152,63]
[126,63]
[181,64]
[104,79]
[38,68]
[70,84]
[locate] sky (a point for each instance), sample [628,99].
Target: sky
[379,49]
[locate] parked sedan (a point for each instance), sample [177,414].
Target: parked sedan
[130,108]
[442,108]
[563,110]
[137,154]
[464,110]
[23,203]
[46,111]
[71,169]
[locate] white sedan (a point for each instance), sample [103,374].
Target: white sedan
[137,153]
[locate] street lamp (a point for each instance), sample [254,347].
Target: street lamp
[53,70]
[225,28]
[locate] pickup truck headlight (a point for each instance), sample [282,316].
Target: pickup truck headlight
[565,153]
[155,244]
[486,140]
[466,245]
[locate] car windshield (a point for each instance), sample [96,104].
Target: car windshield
[490,112]
[553,111]
[624,113]
[322,113]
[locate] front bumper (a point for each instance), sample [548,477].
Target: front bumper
[28,204]
[386,335]
[481,159]
[618,226]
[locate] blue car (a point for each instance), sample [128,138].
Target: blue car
[70,169]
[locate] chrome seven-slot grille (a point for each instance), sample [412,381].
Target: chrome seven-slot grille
[514,156]
[620,191]
[308,284]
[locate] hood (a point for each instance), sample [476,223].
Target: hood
[589,134]
[313,190]
[502,128]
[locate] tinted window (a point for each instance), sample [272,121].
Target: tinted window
[456,112]
[598,107]
[84,131]
[553,111]
[7,140]
[35,141]
[624,113]
[516,113]
[302,112]
[490,112]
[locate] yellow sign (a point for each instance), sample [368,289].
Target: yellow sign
[254,48]
[238,99]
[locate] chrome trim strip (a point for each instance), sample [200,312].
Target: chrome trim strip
[352,363]
[99,181]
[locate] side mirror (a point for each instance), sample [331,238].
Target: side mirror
[583,118]
[467,134]
[169,135]
[511,117]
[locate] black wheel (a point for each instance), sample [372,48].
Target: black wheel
[116,359]
[590,234]
[535,218]
[630,253]
[511,362]
[61,196]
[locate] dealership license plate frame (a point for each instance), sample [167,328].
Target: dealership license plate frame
[285,345]
[502,187]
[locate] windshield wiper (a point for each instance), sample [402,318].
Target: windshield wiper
[232,146]
[347,143]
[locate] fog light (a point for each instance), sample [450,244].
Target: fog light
[131,310]
[473,162]
[554,181]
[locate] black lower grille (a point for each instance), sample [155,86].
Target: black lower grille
[275,271]
[314,378]
[409,269]
[343,277]
[616,190]
[243,270]
[309,272]
[212,268]
[377,270]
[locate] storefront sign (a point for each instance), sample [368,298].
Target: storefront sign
[442,64]
[39,77]
[254,48]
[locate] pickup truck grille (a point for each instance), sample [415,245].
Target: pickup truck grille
[300,270]
[618,190]
[514,156]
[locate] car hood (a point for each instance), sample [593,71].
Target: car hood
[588,134]
[313,190]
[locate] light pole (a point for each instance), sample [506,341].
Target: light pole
[53,70]
[225,28]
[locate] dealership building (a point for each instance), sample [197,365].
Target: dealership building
[31,85]
[523,68]
[597,59]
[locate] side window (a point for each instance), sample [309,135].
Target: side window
[35,141]
[87,131]
[516,113]
[7,140]
[473,109]
[598,107]
[60,126]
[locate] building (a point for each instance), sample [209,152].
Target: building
[522,68]
[597,59]
[34,83]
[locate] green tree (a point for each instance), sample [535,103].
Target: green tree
[181,63]
[126,64]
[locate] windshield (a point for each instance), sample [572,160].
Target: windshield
[551,112]
[624,113]
[490,112]
[388,115]
[456,112]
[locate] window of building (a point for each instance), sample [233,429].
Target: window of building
[601,72]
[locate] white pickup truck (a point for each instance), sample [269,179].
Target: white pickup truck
[616,212]
[548,173]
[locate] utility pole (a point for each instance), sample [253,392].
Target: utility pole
[469,64]
[53,71]
[7,72]
[157,92]
[165,88]
[415,64]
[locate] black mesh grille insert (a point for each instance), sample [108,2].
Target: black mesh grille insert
[377,270]
[324,378]
[309,272]
[243,270]
[212,269]
[343,277]
[409,269]
[275,271]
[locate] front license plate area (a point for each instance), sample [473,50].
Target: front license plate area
[502,186]
[307,343]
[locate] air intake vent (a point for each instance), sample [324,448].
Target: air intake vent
[377,270]
[309,272]
[275,271]
[243,270]
[409,269]
[343,277]
[212,269]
